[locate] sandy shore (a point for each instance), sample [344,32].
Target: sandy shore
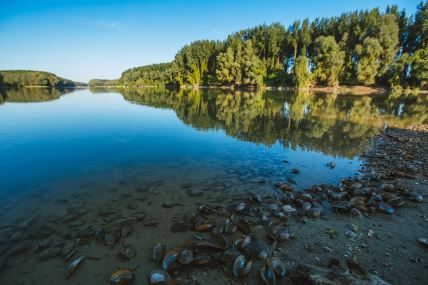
[382,243]
[385,246]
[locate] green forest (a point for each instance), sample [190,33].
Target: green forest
[20,78]
[367,48]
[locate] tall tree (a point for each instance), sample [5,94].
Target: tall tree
[303,77]
[294,40]
[399,71]
[420,67]
[369,60]
[305,36]
[420,27]
[226,67]
[329,60]
[388,38]
[252,68]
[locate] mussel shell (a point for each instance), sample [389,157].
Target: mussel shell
[307,197]
[180,227]
[99,233]
[423,241]
[256,197]
[204,209]
[71,267]
[125,230]
[282,234]
[267,275]
[273,207]
[279,215]
[306,206]
[356,213]
[417,197]
[278,266]
[336,195]
[139,216]
[158,252]
[387,187]
[241,207]
[50,243]
[210,244]
[257,249]
[241,266]
[127,252]
[67,249]
[357,202]
[159,277]
[122,277]
[288,208]
[229,255]
[204,226]
[341,207]
[387,196]
[396,202]
[356,185]
[371,202]
[286,187]
[246,241]
[385,208]
[314,212]
[185,256]
[202,259]
[49,253]
[111,238]
[170,259]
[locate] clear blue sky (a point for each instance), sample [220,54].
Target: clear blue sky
[81,40]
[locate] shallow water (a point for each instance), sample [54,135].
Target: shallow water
[83,153]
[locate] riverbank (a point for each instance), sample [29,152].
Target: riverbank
[367,230]
[354,90]
[371,229]
[369,224]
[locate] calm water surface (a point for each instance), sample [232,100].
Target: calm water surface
[46,138]
[65,153]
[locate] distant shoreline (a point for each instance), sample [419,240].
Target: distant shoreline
[44,87]
[355,90]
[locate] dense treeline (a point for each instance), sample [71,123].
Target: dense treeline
[358,48]
[103,83]
[18,78]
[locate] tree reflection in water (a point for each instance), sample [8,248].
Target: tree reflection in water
[335,124]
